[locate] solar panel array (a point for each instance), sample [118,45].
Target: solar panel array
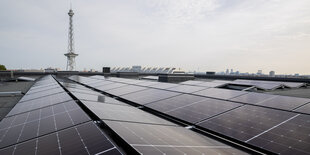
[264,85]
[48,121]
[274,123]
[149,134]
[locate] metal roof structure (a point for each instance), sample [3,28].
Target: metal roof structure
[108,115]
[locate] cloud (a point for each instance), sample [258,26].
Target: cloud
[205,34]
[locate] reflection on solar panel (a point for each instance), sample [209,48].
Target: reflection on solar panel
[186,89]
[123,113]
[202,110]
[245,119]
[274,83]
[285,102]
[160,139]
[252,98]
[289,137]
[246,122]
[125,90]
[110,86]
[50,122]
[174,102]
[220,93]
[39,103]
[161,85]
[81,139]
[304,109]
[203,84]
[149,95]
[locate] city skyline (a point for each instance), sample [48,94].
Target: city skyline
[194,35]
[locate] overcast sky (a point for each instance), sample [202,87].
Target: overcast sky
[245,35]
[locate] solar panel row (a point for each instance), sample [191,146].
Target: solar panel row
[245,117]
[50,122]
[149,134]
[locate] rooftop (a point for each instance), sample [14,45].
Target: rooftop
[109,115]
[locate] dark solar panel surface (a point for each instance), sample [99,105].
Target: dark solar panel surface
[159,139]
[285,102]
[162,85]
[41,94]
[253,98]
[246,122]
[174,102]
[186,88]
[81,139]
[125,90]
[149,95]
[39,103]
[201,110]
[123,113]
[304,109]
[110,86]
[290,137]
[220,93]
[28,125]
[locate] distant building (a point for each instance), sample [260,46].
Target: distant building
[136,69]
[259,72]
[227,71]
[272,74]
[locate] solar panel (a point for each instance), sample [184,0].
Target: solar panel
[304,109]
[98,98]
[25,126]
[125,90]
[30,91]
[220,93]
[146,83]
[123,113]
[246,122]
[85,91]
[81,139]
[162,85]
[149,95]
[102,83]
[110,86]
[43,86]
[191,82]
[202,110]
[41,94]
[160,139]
[174,102]
[253,98]
[186,88]
[285,102]
[289,137]
[211,84]
[39,103]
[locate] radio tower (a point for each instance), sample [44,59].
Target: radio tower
[70,55]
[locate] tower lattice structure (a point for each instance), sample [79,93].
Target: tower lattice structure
[71,54]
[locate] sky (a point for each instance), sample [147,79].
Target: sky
[200,35]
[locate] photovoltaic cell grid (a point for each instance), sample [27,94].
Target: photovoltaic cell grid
[81,139]
[202,83]
[149,134]
[49,125]
[244,123]
[149,95]
[274,101]
[125,90]
[220,93]
[289,137]
[160,139]
[29,125]
[123,113]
